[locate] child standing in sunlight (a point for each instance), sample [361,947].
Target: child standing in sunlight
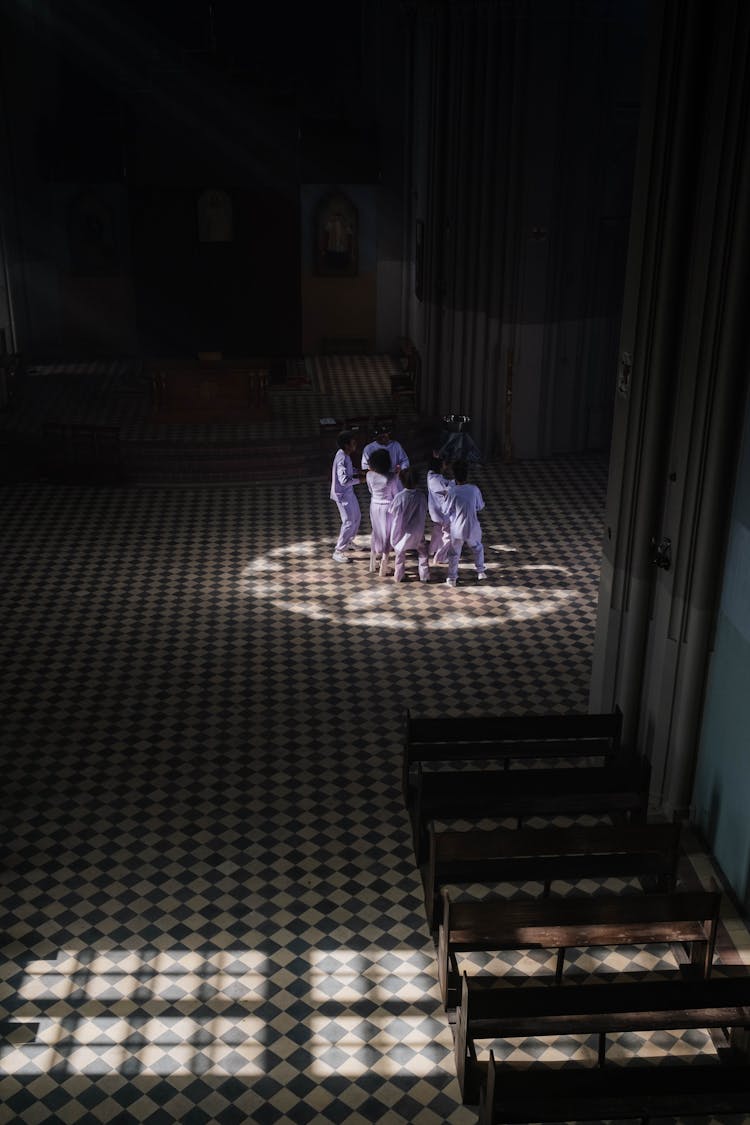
[408,510]
[439,480]
[383,484]
[464,503]
[343,479]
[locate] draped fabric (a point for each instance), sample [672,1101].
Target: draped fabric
[465,109]
[523,134]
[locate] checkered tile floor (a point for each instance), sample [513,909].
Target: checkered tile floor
[210,905]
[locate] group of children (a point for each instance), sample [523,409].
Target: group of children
[398,508]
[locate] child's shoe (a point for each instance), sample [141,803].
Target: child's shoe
[337,556]
[451,581]
[482,575]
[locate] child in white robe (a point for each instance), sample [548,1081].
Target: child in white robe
[383,485]
[464,503]
[438,483]
[408,511]
[396,451]
[343,479]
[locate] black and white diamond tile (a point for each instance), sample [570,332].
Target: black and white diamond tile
[209,900]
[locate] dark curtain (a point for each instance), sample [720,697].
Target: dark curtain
[466,95]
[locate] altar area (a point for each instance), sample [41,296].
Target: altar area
[187,420]
[209,389]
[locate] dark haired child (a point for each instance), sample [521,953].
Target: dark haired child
[343,479]
[439,479]
[383,440]
[383,484]
[408,510]
[464,503]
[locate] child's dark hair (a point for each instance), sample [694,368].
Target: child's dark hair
[440,464]
[380,461]
[460,472]
[344,438]
[409,477]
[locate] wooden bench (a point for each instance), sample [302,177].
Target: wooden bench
[619,792]
[509,1095]
[648,852]
[643,1092]
[502,738]
[490,1009]
[491,925]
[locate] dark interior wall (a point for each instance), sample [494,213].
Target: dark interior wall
[144,106]
[214,296]
[521,139]
[28,73]
[238,296]
[524,131]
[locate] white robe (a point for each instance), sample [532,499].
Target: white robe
[382,490]
[437,496]
[408,510]
[464,503]
[396,452]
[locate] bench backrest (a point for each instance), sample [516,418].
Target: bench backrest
[619,788]
[492,1010]
[552,922]
[504,737]
[646,851]
[577,921]
[613,1093]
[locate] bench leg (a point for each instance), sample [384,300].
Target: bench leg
[560,965]
[602,1048]
[452,982]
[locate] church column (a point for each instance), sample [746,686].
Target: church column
[684,337]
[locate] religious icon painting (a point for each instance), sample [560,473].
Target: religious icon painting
[336,237]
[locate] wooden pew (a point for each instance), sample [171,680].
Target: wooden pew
[648,852]
[509,1094]
[618,791]
[492,925]
[502,738]
[489,1009]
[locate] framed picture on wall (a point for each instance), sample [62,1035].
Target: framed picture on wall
[336,237]
[419,260]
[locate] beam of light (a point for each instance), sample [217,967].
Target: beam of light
[356,973]
[383,1044]
[162,1035]
[379,602]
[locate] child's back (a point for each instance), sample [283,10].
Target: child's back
[408,511]
[465,501]
[383,485]
[464,504]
